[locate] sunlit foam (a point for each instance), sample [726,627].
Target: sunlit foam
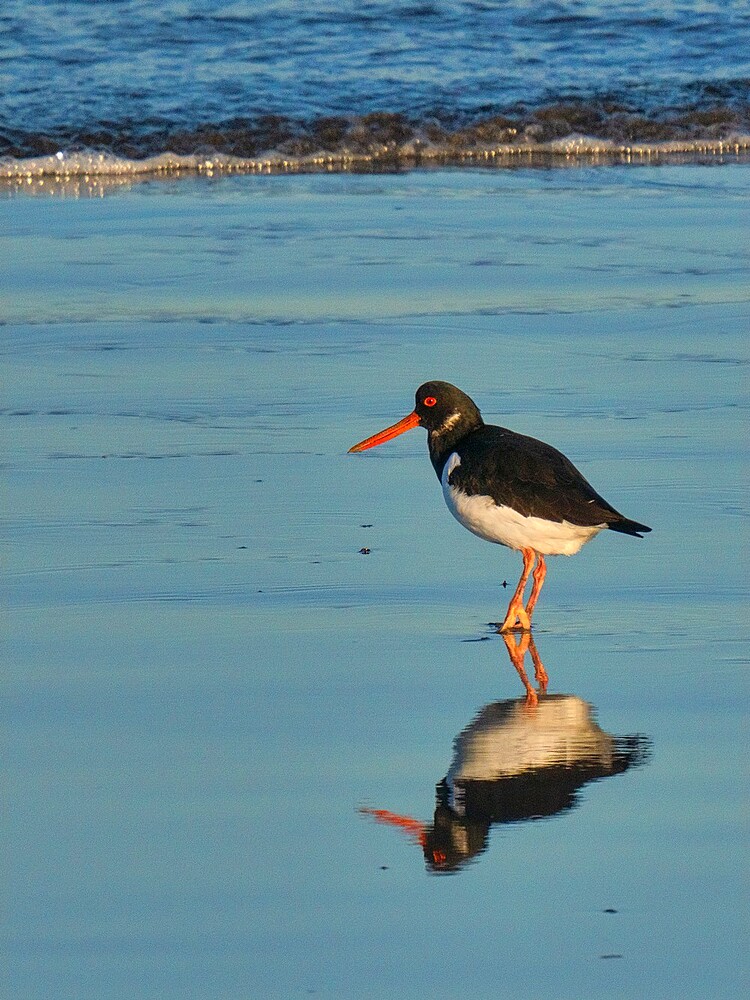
[91,163]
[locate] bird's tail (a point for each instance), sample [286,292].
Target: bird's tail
[628,527]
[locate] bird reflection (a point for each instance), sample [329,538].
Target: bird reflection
[519,759]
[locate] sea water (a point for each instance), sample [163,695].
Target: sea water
[262,738]
[138,86]
[238,658]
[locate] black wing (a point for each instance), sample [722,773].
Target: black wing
[533,478]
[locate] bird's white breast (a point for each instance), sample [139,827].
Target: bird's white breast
[505,526]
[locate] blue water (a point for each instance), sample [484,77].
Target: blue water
[138,77]
[225,724]
[260,739]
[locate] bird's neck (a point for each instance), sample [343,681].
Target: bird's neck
[443,441]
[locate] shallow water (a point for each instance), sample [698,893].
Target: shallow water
[218,707]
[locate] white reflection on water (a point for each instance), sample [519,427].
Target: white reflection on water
[519,759]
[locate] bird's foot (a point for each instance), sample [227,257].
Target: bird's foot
[516,620]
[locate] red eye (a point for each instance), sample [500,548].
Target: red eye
[429,401]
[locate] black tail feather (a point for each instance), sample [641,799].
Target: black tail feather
[628,527]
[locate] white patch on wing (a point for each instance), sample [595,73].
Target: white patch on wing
[452,463]
[505,526]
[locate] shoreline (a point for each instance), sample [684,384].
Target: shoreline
[109,170]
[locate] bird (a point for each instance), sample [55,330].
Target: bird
[507,488]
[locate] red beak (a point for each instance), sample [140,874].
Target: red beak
[390,432]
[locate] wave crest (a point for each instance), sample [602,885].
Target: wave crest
[413,152]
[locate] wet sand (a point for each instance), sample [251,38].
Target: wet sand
[208,682]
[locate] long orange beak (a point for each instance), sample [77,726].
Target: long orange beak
[390,432]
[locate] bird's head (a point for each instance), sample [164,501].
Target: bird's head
[440,407]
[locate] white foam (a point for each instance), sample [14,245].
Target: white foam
[90,163]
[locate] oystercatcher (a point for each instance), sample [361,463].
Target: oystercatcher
[507,488]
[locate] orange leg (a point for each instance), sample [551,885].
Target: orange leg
[516,611]
[540,571]
[517,653]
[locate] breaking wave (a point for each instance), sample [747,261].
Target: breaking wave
[554,134]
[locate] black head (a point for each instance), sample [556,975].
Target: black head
[447,413]
[442,408]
